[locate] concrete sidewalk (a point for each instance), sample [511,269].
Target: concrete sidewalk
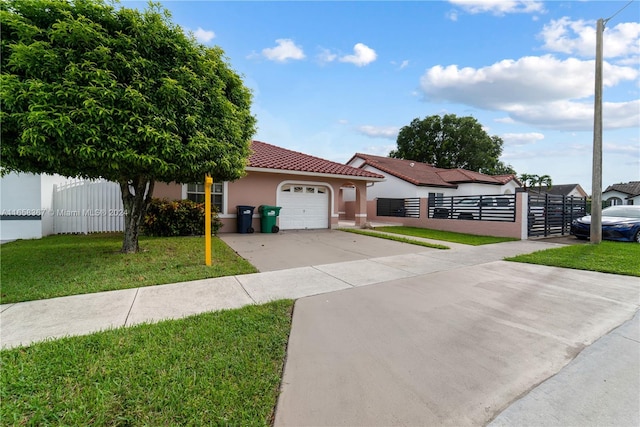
[27,322]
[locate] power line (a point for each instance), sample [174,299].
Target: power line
[620,10]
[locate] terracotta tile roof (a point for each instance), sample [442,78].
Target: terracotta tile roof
[267,156]
[423,174]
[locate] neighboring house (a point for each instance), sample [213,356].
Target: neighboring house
[567,190]
[26,203]
[308,189]
[408,179]
[622,194]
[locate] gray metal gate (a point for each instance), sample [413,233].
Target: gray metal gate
[551,215]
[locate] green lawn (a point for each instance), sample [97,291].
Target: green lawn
[221,368]
[447,236]
[607,257]
[78,264]
[394,238]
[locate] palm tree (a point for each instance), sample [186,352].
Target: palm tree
[525,178]
[546,180]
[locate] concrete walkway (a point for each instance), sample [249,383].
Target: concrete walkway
[415,337]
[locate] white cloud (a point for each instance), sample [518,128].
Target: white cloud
[545,91]
[452,15]
[285,50]
[579,38]
[518,139]
[568,115]
[390,132]
[362,55]
[380,150]
[203,36]
[404,64]
[326,55]
[499,7]
[625,150]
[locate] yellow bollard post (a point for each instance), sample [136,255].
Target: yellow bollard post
[208,182]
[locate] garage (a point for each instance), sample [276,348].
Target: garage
[303,207]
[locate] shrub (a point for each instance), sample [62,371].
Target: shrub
[166,218]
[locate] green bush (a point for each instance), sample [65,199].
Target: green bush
[166,218]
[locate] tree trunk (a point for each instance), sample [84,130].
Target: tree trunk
[135,206]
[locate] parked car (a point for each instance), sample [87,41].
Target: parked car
[620,223]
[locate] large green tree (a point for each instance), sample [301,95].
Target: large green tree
[451,142]
[90,89]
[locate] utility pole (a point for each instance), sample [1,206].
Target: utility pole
[596,177]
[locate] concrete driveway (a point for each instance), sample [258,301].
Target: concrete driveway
[451,347]
[303,248]
[455,343]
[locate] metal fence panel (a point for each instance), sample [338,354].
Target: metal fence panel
[87,206]
[551,215]
[500,207]
[407,208]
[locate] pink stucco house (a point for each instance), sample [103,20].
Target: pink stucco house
[308,189]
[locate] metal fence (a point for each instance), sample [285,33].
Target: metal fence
[501,207]
[87,206]
[551,215]
[407,208]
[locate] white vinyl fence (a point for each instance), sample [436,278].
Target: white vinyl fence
[87,206]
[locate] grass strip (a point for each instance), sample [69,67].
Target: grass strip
[220,368]
[606,257]
[394,238]
[447,236]
[63,265]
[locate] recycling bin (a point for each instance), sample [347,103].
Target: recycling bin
[268,215]
[245,217]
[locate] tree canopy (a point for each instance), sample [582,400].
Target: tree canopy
[451,142]
[92,90]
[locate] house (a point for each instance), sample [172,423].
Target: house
[408,178]
[308,189]
[404,197]
[622,194]
[567,190]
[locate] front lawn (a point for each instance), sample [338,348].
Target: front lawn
[221,368]
[606,257]
[63,265]
[447,236]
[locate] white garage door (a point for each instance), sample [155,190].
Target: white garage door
[304,206]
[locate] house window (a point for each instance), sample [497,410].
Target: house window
[195,192]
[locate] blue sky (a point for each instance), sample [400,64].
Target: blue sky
[334,78]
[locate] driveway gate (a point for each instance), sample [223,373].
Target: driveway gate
[551,215]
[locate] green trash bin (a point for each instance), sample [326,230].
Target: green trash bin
[268,215]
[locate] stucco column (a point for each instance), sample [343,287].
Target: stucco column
[361,204]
